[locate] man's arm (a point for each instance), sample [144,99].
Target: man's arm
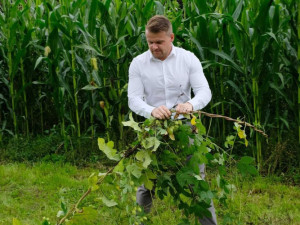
[136,92]
[199,84]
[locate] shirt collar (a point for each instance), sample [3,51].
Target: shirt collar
[173,52]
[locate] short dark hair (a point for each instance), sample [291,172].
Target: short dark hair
[159,23]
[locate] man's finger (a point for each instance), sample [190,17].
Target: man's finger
[179,108]
[161,113]
[165,111]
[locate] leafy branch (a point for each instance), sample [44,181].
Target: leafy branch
[182,179]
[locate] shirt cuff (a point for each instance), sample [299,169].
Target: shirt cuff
[148,111]
[194,104]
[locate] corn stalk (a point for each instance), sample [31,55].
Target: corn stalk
[298,28]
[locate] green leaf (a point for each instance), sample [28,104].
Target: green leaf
[185,199]
[238,90]
[237,42]
[108,149]
[92,16]
[242,134]
[90,48]
[238,10]
[60,213]
[171,134]
[197,43]
[93,179]
[131,123]
[247,160]
[272,85]
[89,87]
[107,202]
[119,167]
[245,166]
[226,57]
[229,141]
[183,135]
[135,170]
[63,207]
[185,176]
[146,179]
[148,184]
[162,131]
[97,78]
[159,8]
[38,61]
[201,128]
[144,157]
[197,158]
[16,222]
[150,174]
[151,143]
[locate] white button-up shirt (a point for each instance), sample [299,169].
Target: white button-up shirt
[153,82]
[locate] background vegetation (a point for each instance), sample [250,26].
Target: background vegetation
[60,59]
[63,83]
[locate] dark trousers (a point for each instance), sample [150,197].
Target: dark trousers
[144,199]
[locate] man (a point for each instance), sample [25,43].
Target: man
[162,78]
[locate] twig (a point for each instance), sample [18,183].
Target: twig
[227,118]
[74,206]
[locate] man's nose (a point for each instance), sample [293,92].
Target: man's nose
[154,46]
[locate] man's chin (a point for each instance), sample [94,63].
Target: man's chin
[157,55]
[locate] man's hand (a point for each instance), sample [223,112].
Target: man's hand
[184,108]
[161,112]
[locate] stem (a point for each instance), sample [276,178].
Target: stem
[75,206]
[75,88]
[12,91]
[25,98]
[92,120]
[256,109]
[41,111]
[222,92]
[120,117]
[257,119]
[298,28]
[224,117]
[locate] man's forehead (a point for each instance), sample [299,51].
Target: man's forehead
[156,36]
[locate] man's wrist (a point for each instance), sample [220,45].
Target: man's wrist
[190,105]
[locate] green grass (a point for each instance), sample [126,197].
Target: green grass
[263,200]
[30,192]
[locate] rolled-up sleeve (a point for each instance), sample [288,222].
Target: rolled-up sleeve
[199,84]
[136,92]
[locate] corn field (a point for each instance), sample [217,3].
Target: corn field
[59,59]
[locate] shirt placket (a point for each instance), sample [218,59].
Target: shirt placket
[167,84]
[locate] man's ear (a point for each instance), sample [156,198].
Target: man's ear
[172,37]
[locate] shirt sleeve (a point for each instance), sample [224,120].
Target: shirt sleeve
[136,92]
[199,84]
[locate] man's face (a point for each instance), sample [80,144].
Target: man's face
[160,44]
